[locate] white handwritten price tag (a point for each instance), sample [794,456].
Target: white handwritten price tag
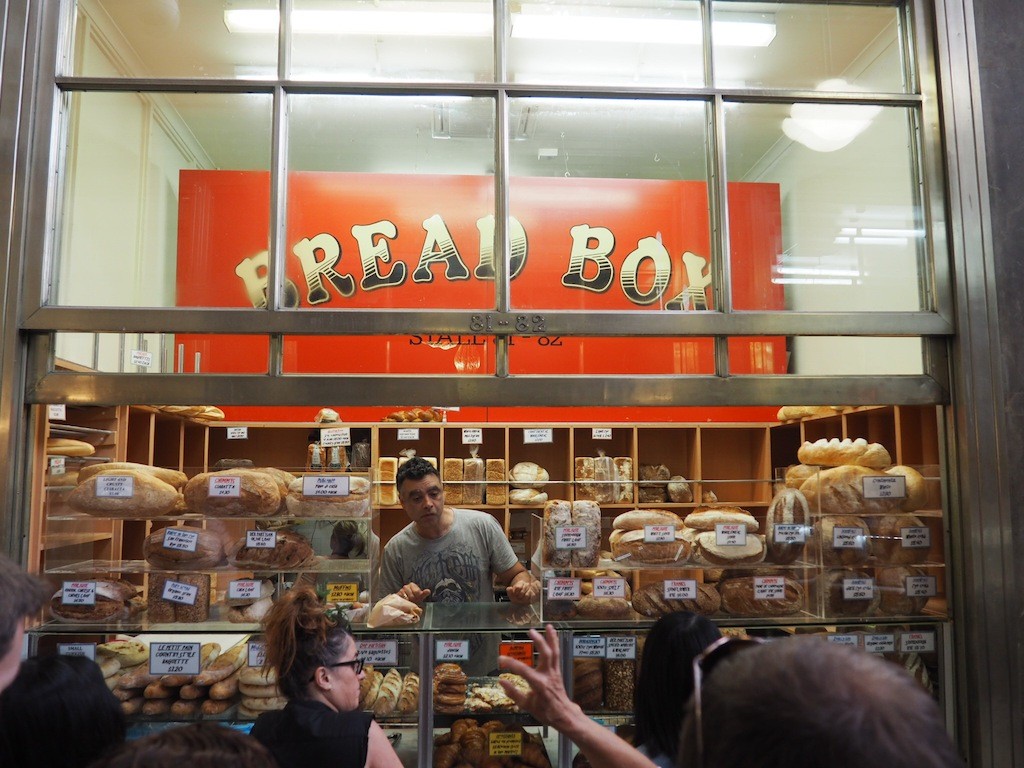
[659,534]
[609,587]
[380,653]
[472,436]
[57,412]
[237,433]
[141,358]
[57,465]
[601,433]
[256,653]
[921,586]
[880,643]
[535,435]
[225,486]
[181,540]
[261,539]
[848,538]
[888,487]
[916,537]
[325,485]
[680,589]
[570,537]
[409,434]
[174,658]
[78,593]
[917,642]
[115,486]
[563,589]
[730,534]
[451,650]
[769,587]
[177,592]
[332,438]
[243,589]
[620,647]
[790,533]
[588,646]
[858,589]
[850,640]
[88,650]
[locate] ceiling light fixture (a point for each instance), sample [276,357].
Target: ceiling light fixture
[829,127]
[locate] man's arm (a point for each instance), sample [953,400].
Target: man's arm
[522,587]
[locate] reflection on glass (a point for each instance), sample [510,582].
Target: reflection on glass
[171,38]
[856,46]
[607,198]
[422,41]
[391,201]
[162,352]
[626,356]
[416,354]
[636,43]
[847,222]
[826,356]
[135,212]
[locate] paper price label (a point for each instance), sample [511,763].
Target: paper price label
[730,534]
[237,433]
[472,436]
[563,589]
[183,594]
[620,647]
[174,658]
[225,486]
[917,642]
[588,646]
[518,650]
[570,537]
[380,653]
[78,593]
[57,412]
[325,485]
[850,640]
[332,438]
[505,744]
[409,434]
[921,586]
[261,539]
[916,537]
[342,592]
[790,533]
[769,587]
[657,534]
[848,538]
[451,650]
[889,487]
[534,435]
[244,589]
[115,486]
[141,358]
[858,589]
[57,465]
[256,653]
[880,643]
[680,589]
[88,650]
[609,587]
[601,433]
[182,541]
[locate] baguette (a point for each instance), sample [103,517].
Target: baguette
[215,707]
[207,653]
[138,677]
[157,690]
[132,706]
[226,688]
[185,708]
[153,707]
[192,691]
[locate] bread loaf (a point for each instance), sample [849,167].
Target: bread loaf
[225,665]
[795,412]
[836,452]
[113,603]
[170,476]
[408,699]
[789,507]
[631,547]
[584,477]
[706,518]
[887,539]
[797,473]
[708,551]
[636,519]
[837,601]
[290,551]
[624,473]
[368,696]
[588,683]
[200,610]
[473,476]
[67,446]
[619,677]
[150,496]
[527,497]
[893,597]
[527,474]
[208,552]
[650,600]
[497,491]
[840,491]
[451,477]
[606,608]
[557,513]
[916,490]
[679,491]
[587,515]
[387,698]
[355,504]
[853,546]
[653,485]
[258,494]
[739,598]
[387,468]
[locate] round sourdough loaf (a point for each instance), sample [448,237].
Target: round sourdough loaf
[527,474]
[590,607]
[789,507]
[650,600]
[916,489]
[887,542]
[170,476]
[739,598]
[630,547]
[706,518]
[150,496]
[258,494]
[835,600]
[844,547]
[708,551]
[636,519]
[891,586]
[208,551]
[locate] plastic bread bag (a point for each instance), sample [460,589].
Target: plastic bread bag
[606,489]
[473,477]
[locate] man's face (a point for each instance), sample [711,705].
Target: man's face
[422,500]
[11,660]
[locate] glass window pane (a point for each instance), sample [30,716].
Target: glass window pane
[827,356]
[418,354]
[845,186]
[163,352]
[174,38]
[136,213]
[627,356]
[833,46]
[391,201]
[631,42]
[420,41]
[606,198]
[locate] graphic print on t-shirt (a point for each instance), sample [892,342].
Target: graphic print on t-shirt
[452,575]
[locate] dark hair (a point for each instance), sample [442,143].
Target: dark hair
[415,468]
[58,713]
[197,745]
[803,703]
[665,681]
[21,593]
[301,637]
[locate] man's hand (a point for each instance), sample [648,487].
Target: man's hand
[546,700]
[413,593]
[523,590]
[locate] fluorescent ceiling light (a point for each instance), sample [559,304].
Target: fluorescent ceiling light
[356,22]
[828,127]
[631,29]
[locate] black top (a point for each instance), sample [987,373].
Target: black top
[309,733]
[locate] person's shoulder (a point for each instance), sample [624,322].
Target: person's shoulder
[474,517]
[404,536]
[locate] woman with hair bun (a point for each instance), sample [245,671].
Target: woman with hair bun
[318,670]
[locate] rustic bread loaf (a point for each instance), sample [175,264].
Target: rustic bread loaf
[590,607]
[789,507]
[706,518]
[631,547]
[496,491]
[708,551]
[527,474]
[840,491]
[832,592]
[387,468]
[355,504]
[170,476]
[588,683]
[853,549]
[679,491]
[738,598]
[650,600]
[584,475]
[291,550]
[796,412]
[68,446]
[587,515]
[113,603]
[916,488]
[797,473]
[636,519]
[451,477]
[151,496]
[836,452]
[557,513]
[624,473]
[527,497]
[887,542]
[208,552]
[893,597]
[258,494]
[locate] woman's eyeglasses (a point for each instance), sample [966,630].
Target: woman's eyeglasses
[356,664]
[719,650]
